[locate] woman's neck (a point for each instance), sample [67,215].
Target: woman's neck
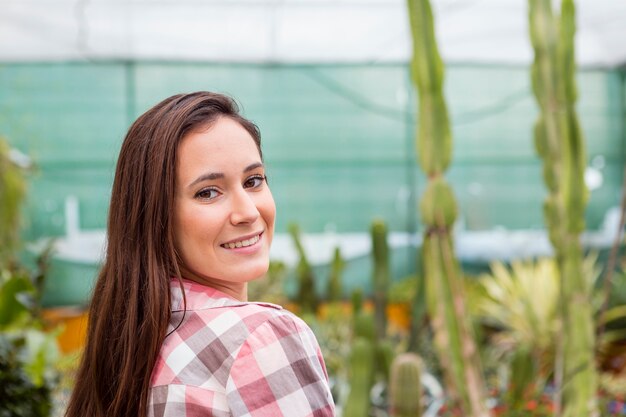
[236,290]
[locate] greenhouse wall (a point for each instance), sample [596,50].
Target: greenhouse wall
[338,139]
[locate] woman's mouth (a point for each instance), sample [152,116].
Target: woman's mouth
[242,243]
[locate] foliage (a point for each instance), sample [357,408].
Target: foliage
[270,288]
[337,265]
[307,298]
[333,330]
[617,291]
[21,396]
[404,290]
[12,190]
[28,355]
[520,304]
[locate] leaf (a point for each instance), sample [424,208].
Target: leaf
[41,355]
[12,310]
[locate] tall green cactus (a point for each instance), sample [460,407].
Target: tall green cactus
[360,378]
[12,191]
[337,266]
[381,278]
[362,363]
[453,333]
[559,142]
[405,389]
[380,352]
[380,275]
[307,297]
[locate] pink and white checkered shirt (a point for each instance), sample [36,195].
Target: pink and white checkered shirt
[230,358]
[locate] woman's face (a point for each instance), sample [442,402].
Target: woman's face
[224,211]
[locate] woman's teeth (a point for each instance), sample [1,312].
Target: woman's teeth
[243,243]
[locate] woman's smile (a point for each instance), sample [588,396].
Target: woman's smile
[245,242]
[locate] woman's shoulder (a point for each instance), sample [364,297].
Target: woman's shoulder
[256,317]
[279,371]
[255,327]
[215,337]
[237,323]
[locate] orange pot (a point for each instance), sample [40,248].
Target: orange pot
[73,323]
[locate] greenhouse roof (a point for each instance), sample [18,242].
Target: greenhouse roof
[289,31]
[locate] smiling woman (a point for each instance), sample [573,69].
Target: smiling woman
[171,332]
[224,211]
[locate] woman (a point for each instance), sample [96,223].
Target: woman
[171,332]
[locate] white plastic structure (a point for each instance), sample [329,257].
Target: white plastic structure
[290,31]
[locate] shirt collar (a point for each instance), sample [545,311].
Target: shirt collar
[200,297]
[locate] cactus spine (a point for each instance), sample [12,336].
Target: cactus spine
[453,334]
[307,297]
[559,142]
[405,389]
[380,276]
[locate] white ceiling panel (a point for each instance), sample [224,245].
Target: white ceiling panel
[290,31]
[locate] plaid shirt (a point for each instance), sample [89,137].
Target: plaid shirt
[237,359]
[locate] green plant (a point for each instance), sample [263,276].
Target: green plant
[12,191]
[380,351]
[28,355]
[405,390]
[333,329]
[404,290]
[21,395]
[380,275]
[360,378]
[521,303]
[363,322]
[306,297]
[457,349]
[559,142]
[270,288]
[337,266]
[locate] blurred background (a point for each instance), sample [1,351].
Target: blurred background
[328,84]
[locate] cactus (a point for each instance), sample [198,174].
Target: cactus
[380,276]
[334,280]
[385,354]
[357,301]
[559,142]
[405,389]
[12,191]
[524,378]
[363,323]
[307,298]
[453,333]
[360,378]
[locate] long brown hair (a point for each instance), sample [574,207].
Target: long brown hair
[130,306]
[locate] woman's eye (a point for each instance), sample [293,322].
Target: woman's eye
[207,194]
[254,182]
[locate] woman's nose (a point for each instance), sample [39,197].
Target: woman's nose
[243,209]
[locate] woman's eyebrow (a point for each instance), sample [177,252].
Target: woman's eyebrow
[205,177]
[253,166]
[219,175]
